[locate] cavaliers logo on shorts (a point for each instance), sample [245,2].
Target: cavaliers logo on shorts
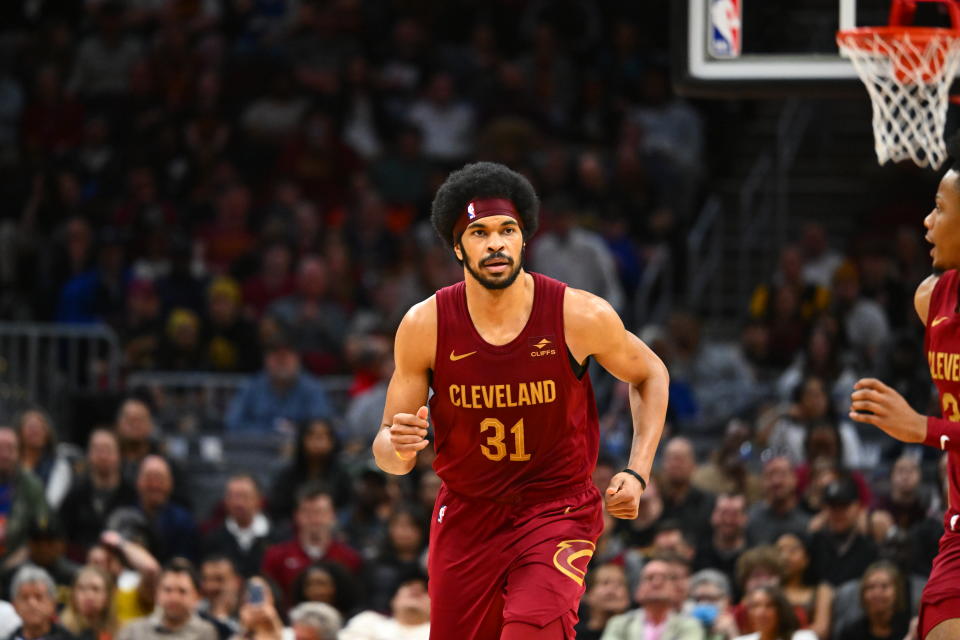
[568,552]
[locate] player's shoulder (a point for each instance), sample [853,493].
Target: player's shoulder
[422,315]
[582,308]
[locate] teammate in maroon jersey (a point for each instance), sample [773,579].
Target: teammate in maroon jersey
[936,301]
[516,432]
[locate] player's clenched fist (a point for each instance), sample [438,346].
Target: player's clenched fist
[623,496]
[408,433]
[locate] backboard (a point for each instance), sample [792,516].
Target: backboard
[772,47]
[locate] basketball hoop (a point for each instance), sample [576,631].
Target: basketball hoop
[908,72]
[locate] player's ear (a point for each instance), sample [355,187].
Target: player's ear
[457,251]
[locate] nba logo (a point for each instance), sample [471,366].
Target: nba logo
[471,214]
[440,513]
[725,28]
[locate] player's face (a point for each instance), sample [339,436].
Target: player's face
[943,224]
[491,249]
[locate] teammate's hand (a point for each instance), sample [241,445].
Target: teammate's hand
[623,496]
[408,433]
[887,410]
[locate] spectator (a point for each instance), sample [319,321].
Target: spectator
[773,617]
[801,586]
[282,394]
[607,595]
[656,616]
[409,615]
[136,434]
[90,614]
[178,595]
[315,519]
[171,529]
[885,613]
[403,551]
[228,338]
[330,583]
[315,621]
[901,517]
[34,598]
[220,587]
[681,500]
[24,502]
[779,512]
[180,348]
[39,453]
[811,405]
[448,124]
[759,566]
[316,459]
[864,325]
[142,327]
[711,601]
[135,588]
[44,549]
[820,261]
[95,493]
[727,470]
[729,522]
[272,282]
[246,531]
[259,618]
[718,376]
[840,551]
[105,59]
[577,256]
[316,319]
[228,239]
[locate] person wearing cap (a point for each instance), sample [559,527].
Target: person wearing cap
[280,396]
[840,550]
[45,548]
[506,352]
[229,340]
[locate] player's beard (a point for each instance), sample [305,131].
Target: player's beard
[495,284]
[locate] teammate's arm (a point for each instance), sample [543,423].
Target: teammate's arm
[593,328]
[878,404]
[403,429]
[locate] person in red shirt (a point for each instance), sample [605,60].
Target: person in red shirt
[315,520]
[876,403]
[516,432]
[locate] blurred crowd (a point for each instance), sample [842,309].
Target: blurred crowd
[243,186]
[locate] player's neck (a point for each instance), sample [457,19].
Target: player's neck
[500,308]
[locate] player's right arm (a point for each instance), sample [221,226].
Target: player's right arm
[882,406]
[403,429]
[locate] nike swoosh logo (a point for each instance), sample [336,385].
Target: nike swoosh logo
[454,357]
[939,320]
[943,442]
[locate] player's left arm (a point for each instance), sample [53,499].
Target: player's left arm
[593,328]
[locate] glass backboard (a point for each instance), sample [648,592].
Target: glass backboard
[772,47]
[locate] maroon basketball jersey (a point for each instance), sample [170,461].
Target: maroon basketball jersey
[942,344]
[512,420]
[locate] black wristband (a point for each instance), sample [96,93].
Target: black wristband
[643,483]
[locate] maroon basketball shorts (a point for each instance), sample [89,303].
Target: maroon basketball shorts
[941,595]
[492,563]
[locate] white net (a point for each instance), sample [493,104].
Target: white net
[908,73]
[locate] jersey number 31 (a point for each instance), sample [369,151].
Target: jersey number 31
[496,449]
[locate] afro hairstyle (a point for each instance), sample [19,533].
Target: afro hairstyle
[483,180]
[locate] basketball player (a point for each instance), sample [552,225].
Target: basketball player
[936,301]
[516,432]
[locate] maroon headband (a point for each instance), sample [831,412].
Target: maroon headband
[481,208]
